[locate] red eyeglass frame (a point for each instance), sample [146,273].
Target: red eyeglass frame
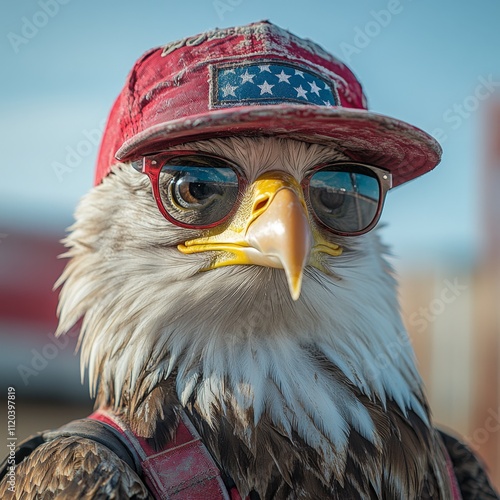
[152,165]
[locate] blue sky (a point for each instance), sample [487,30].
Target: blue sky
[433,64]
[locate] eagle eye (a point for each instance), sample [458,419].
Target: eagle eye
[198,190]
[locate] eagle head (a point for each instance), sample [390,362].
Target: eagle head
[226,265]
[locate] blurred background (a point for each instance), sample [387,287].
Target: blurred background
[433,64]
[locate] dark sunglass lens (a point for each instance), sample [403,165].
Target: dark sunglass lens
[345,198]
[198,190]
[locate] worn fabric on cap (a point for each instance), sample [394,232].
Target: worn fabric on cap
[255,80]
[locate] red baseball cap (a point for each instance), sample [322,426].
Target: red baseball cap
[255,80]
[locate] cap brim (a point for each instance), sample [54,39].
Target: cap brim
[404,150]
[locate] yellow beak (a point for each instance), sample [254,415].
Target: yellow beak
[271,228]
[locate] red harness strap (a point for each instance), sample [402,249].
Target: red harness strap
[455,489]
[183,470]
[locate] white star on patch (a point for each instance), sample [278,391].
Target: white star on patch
[314,88]
[327,87]
[265,88]
[264,67]
[230,70]
[300,73]
[327,103]
[228,89]
[301,92]
[246,77]
[283,77]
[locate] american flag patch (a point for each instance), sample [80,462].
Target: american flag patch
[269,82]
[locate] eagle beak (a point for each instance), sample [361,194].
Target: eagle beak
[271,228]
[279,229]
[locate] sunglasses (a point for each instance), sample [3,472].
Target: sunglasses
[200,190]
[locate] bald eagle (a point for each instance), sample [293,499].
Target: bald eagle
[237,283]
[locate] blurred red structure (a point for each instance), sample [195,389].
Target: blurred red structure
[29,267]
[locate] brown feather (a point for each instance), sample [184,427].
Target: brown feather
[409,462]
[73,467]
[471,473]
